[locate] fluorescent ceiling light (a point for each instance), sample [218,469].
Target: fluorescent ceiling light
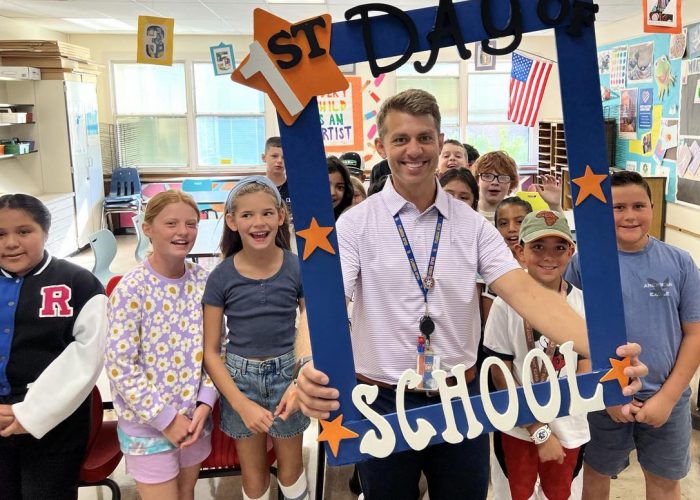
[101,24]
[299,2]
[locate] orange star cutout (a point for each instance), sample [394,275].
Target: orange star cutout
[316,237]
[308,78]
[589,184]
[617,372]
[334,433]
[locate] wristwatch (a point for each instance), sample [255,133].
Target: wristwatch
[541,434]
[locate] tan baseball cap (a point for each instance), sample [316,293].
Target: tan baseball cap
[537,225]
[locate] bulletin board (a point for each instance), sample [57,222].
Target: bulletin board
[341,118]
[688,161]
[640,81]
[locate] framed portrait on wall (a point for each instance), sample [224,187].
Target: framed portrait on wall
[222,59]
[482,60]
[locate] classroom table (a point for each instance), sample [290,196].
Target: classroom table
[208,238]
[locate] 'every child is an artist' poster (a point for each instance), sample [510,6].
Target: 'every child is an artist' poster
[341,118]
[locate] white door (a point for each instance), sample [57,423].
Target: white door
[95,177]
[77,133]
[86,159]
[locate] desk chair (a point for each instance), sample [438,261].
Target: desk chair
[104,247]
[189,185]
[124,193]
[102,454]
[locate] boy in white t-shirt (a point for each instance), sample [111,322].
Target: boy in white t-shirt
[552,451]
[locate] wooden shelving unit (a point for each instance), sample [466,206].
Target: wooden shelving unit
[552,148]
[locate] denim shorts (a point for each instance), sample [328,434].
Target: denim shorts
[264,383]
[663,451]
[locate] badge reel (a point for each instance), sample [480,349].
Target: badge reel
[427,360]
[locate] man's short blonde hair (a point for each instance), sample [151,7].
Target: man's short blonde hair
[498,162]
[414,102]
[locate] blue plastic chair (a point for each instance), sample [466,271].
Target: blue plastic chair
[124,192]
[104,246]
[189,185]
[141,240]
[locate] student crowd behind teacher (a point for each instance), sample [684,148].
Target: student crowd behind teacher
[54,323]
[275,170]
[437,308]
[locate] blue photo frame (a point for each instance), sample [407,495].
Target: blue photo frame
[305,161]
[222,59]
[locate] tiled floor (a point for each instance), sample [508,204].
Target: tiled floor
[629,485]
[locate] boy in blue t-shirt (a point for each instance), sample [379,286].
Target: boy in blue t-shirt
[660,286]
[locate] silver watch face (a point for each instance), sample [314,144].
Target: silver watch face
[541,434]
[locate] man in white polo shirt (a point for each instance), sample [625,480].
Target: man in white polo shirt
[410,256]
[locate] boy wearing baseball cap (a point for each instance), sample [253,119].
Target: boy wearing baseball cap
[353,162]
[548,451]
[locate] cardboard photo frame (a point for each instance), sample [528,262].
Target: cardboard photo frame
[349,434]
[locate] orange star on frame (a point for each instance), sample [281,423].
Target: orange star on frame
[310,77]
[316,237]
[590,184]
[333,432]
[617,372]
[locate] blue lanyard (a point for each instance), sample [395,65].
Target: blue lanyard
[412,259]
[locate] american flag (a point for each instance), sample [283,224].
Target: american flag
[528,79]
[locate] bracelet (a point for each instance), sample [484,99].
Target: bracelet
[299,365]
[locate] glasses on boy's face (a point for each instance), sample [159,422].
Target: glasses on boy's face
[488,177]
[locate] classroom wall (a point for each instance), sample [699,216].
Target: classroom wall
[677,215]
[17,29]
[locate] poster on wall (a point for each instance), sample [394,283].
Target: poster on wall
[604,62]
[646,100]
[677,44]
[662,16]
[628,114]
[341,117]
[640,63]
[669,133]
[688,172]
[482,60]
[693,43]
[155,40]
[618,67]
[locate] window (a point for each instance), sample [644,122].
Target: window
[443,82]
[154,120]
[151,114]
[230,120]
[488,128]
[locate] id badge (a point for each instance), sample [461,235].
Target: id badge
[427,362]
